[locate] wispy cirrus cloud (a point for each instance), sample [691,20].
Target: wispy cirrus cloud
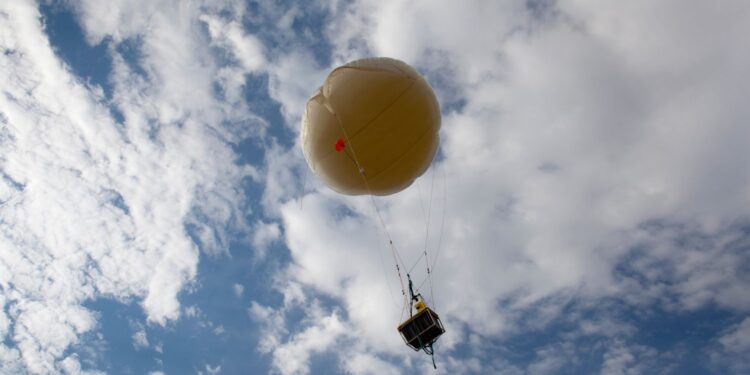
[96,206]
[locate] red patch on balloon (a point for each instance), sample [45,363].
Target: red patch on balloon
[340,145]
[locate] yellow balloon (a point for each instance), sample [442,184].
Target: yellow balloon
[372,128]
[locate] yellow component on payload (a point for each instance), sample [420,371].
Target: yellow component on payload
[420,305]
[371,128]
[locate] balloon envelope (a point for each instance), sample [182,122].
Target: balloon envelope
[372,128]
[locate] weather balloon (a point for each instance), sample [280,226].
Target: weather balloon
[372,128]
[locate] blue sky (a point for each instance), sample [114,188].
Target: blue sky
[590,209]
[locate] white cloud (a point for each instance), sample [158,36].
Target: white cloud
[95,208]
[140,339]
[272,322]
[71,366]
[290,79]
[738,340]
[579,138]
[551,360]
[283,168]
[733,349]
[634,359]
[208,370]
[218,330]
[320,331]
[212,370]
[362,363]
[293,356]
[230,36]
[265,234]
[238,289]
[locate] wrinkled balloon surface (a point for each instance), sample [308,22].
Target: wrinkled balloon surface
[378,116]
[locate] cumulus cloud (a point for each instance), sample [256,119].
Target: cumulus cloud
[323,332]
[589,152]
[272,322]
[293,356]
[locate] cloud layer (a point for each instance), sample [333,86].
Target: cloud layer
[590,153]
[592,177]
[96,206]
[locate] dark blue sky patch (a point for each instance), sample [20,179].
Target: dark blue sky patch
[439,158]
[116,115]
[118,201]
[7,340]
[254,274]
[310,25]
[252,188]
[308,29]
[343,212]
[131,52]
[682,236]
[249,151]
[91,63]
[220,332]
[326,363]
[549,167]
[4,133]
[540,9]
[120,356]
[439,73]
[195,344]
[668,341]
[10,181]
[665,329]
[260,103]
[87,350]
[190,345]
[626,268]
[682,338]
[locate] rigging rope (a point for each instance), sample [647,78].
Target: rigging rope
[439,246]
[398,261]
[426,239]
[385,276]
[425,253]
[394,252]
[304,181]
[416,263]
[428,349]
[442,224]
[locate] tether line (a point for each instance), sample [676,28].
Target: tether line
[394,252]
